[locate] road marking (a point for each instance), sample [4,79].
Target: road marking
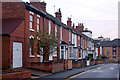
[83,72]
[111,68]
[96,71]
[99,68]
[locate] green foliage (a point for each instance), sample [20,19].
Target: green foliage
[104,57]
[99,59]
[46,43]
[90,57]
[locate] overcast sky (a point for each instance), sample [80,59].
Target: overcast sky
[99,16]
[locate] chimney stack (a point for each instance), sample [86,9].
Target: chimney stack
[80,27]
[69,22]
[38,4]
[58,14]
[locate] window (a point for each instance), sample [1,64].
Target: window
[107,48]
[38,23]
[62,52]
[49,27]
[73,38]
[82,42]
[114,53]
[55,51]
[69,35]
[108,58]
[31,47]
[31,20]
[70,52]
[55,30]
[114,58]
[31,25]
[114,48]
[31,13]
[38,47]
[61,33]
[62,47]
[107,53]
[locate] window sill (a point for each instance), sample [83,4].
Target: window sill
[38,55]
[32,30]
[54,55]
[31,56]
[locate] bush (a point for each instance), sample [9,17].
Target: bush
[104,57]
[99,59]
[89,57]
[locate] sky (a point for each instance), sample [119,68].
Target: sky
[99,16]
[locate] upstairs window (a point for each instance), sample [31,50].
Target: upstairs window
[61,33]
[31,19]
[38,23]
[78,40]
[73,38]
[114,48]
[55,30]
[31,22]
[49,27]
[69,35]
[107,48]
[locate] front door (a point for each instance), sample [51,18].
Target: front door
[17,54]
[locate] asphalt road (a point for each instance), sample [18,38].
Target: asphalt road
[106,72]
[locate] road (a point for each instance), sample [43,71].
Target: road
[106,72]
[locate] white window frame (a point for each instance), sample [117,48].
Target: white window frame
[69,35]
[31,12]
[55,30]
[31,21]
[55,51]
[38,24]
[49,27]
[61,33]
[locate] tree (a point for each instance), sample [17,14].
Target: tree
[46,44]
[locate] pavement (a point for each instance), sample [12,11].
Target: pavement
[65,74]
[35,73]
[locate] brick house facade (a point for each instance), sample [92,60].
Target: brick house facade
[21,27]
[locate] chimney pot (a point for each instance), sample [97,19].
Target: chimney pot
[58,14]
[69,22]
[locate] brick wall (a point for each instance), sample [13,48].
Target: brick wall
[5,52]
[17,76]
[13,10]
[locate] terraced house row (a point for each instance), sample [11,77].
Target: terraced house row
[20,25]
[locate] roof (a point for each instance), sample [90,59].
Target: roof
[54,19]
[9,25]
[86,31]
[113,43]
[64,43]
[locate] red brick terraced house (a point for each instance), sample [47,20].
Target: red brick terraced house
[111,49]
[20,24]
